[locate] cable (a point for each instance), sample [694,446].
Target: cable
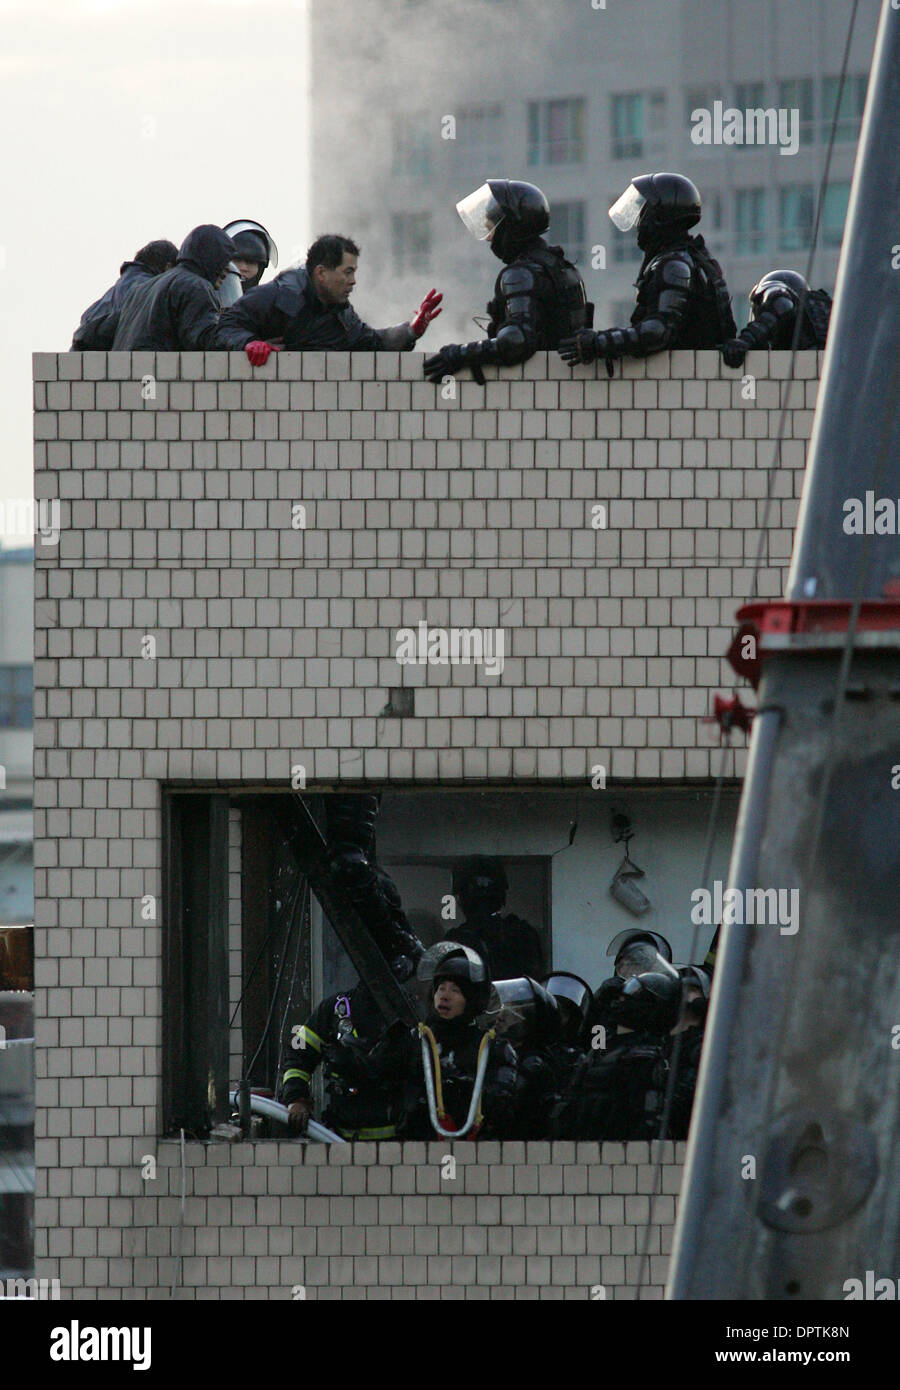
[679,1036]
[290,994]
[823,188]
[291,920]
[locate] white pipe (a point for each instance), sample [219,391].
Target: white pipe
[274,1110]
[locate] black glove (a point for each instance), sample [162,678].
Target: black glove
[734,352]
[580,348]
[451,358]
[586,346]
[447,362]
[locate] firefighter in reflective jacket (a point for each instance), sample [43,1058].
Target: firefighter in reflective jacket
[362,1061]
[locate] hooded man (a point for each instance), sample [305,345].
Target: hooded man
[539,297]
[98,324]
[682,297]
[179,311]
[307,308]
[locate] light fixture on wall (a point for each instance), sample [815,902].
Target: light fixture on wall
[624,884]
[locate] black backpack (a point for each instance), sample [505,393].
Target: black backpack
[816,317]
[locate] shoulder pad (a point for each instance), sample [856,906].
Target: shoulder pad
[516,280]
[676,271]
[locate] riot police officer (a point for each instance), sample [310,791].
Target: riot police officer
[459,991]
[682,297]
[620,1093]
[363,1065]
[509,945]
[685,1046]
[539,297]
[350,834]
[255,253]
[777,301]
[546,1029]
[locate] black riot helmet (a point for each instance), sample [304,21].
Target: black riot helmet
[790,281]
[507,212]
[529,1014]
[663,206]
[648,1003]
[635,950]
[573,997]
[480,885]
[447,960]
[255,244]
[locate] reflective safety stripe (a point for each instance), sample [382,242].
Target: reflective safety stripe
[294,1075]
[313,1040]
[386,1132]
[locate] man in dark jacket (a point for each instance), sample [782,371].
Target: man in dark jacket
[307,308]
[98,324]
[179,311]
[539,297]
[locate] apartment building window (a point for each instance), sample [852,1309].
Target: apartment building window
[412,144]
[700,99]
[567,227]
[556,131]
[411,242]
[749,221]
[834,213]
[628,126]
[749,96]
[479,138]
[796,94]
[16,697]
[795,217]
[850,111]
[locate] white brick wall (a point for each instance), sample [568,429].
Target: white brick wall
[274,646]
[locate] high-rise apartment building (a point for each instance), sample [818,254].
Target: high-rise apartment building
[430,100]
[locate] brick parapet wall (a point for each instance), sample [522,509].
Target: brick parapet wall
[274,646]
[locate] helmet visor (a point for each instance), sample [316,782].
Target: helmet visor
[246,225]
[480,212]
[626,210]
[231,287]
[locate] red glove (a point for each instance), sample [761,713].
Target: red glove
[258,352]
[427,310]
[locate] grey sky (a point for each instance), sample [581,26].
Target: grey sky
[127,120]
